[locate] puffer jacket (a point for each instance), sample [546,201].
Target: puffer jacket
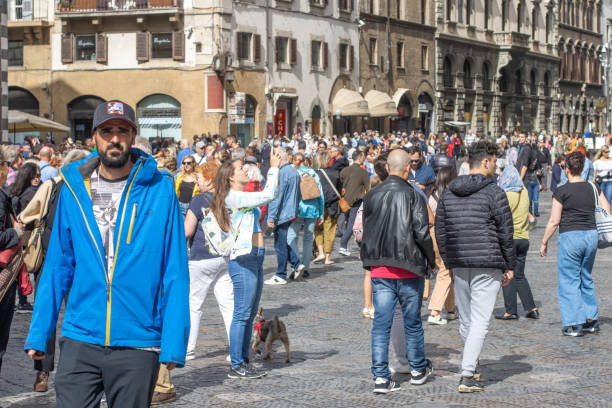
[474,225]
[396,228]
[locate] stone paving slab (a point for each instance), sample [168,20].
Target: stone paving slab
[524,363]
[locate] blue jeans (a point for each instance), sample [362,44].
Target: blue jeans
[184,208]
[246,272]
[307,239]
[533,189]
[385,295]
[576,292]
[284,252]
[606,187]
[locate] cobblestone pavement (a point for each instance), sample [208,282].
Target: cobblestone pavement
[524,363]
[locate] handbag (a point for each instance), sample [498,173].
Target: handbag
[217,241]
[344,205]
[603,220]
[11,262]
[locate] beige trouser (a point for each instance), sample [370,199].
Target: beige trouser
[443,295]
[164,383]
[326,234]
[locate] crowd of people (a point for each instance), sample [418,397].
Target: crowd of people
[138,231]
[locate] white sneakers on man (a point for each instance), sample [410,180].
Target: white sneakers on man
[275,280]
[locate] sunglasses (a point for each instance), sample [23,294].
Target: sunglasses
[188,163]
[415,161]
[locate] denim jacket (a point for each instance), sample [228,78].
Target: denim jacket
[284,208]
[312,208]
[241,205]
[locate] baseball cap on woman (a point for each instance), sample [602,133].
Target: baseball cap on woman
[114,109]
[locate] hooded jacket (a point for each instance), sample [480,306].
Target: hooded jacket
[143,300]
[396,228]
[474,225]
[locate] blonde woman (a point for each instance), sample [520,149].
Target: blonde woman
[186,183]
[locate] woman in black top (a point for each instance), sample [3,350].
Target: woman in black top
[326,232]
[186,183]
[573,211]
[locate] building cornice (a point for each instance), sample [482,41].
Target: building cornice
[375,18]
[489,46]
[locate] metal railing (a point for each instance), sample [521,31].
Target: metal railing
[114,5]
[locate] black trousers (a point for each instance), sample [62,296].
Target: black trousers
[519,284]
[85,371]
[7,308]
[48,363]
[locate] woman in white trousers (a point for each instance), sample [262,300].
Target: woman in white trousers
[205,270]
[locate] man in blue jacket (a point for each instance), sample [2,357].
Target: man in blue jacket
[282,211]
[118,245]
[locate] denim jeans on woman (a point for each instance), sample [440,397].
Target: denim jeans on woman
[385,295]
[533,188]
[307,240]
[246,272]
[576,292]
[606,188]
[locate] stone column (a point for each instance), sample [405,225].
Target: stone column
[541,112]
[477,117]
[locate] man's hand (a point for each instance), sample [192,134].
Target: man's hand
[320,221]
[507,277]
[543,249]
[36,355]
[270,224]
[170,366]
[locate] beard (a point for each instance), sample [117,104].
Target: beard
[114,160]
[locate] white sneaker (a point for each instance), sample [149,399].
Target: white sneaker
[436,320]
[299,271]
[190,355]
[275,280]
[344,251]
[398,368]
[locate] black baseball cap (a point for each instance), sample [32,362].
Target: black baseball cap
[114,109]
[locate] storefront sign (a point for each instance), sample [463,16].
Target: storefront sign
[279,122]
[237,108]
[424,107]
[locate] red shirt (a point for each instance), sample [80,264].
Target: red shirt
[391,272]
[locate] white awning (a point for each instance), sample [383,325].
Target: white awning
[397,96]
[380,104]
[457,124]
[349,103]
[25,122]
[168,121]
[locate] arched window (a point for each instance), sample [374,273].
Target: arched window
[468,12]
[487,13]
[467,75]
[546,84]
[503,80]
[448,73]
[534,22]
[519,17]
[486,81]
[424,7]
[159,115]
[562,11]
[504,13]
[599,19]
[548,25]
[449,10]
[80,113]
[21,99]
[533,86]
[518,83]
[460,11]
[570,11]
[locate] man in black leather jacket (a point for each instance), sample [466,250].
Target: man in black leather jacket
[398,250]
[474,234]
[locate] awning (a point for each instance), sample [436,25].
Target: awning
[168,121]
[380,104]
[26,122]
[397,96]
[349,103]
[457,124]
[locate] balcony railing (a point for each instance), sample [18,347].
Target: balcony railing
[114,5]
[512,39]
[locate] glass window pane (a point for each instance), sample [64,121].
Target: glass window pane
[161,45]
[86,48]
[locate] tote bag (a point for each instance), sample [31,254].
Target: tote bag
[604,223]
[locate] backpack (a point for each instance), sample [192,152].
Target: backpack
[34,251]
[308,187]
[358,225]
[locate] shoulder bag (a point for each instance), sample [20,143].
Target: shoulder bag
[603,221]
[344,205]
[308,186]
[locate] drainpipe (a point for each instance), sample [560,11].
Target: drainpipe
[388,45]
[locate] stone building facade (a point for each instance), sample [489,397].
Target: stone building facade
[3,73]
[582,101]
[396,57]
[496,65]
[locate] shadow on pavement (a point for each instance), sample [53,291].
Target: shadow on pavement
[494,371]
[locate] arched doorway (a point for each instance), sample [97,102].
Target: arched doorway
[403,123]
[80,115]
[316,120]
[159,115]
[425,112]
[243,122]
[20,99]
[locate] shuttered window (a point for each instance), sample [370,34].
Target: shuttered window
[178,45]
[256,48]
[351,63]
[67,48]
[281,50]
[142,46]
[293,51]
[101,48]
[325,56]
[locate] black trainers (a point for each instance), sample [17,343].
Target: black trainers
[420,377]
[591,327]
[254,371]
[24,308]
[470,384]
[245,371]
[385,385]
[573,331]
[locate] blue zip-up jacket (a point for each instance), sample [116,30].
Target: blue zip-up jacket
[285,207]
[143,300]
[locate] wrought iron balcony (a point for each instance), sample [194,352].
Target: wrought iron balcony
[104,6]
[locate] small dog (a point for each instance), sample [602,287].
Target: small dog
[268,333]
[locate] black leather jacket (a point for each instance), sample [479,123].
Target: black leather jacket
[396,228]
[440,160]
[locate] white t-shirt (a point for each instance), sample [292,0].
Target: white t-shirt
[603,167]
